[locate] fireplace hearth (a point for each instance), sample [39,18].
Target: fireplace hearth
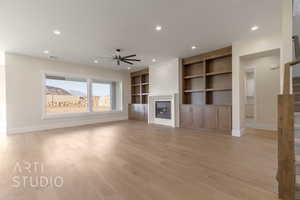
[163,109]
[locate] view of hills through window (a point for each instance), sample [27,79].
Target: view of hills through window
[67,95]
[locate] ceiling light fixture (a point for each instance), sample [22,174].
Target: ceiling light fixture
[194,47]
[158,28]
[56,32]
[254,28]
[96,61]
[153,60]
[46,52]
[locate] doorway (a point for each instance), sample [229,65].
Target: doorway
[261,74]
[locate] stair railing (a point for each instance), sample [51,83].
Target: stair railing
[286,174]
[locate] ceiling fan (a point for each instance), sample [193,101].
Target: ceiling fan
[125,59]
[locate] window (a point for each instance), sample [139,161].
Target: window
[79,95]
[66,95]
[102,100]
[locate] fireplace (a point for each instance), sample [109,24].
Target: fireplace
[163,109]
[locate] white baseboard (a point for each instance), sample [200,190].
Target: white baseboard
[238,132]
[269,127]
[64,125]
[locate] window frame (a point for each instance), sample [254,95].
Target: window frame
[89,81]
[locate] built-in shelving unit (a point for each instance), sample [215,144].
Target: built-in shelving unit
[207,90]
[140,87]
[138,109]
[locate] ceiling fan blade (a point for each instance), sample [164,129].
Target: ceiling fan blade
[137,60]
[128,56]
[127,62]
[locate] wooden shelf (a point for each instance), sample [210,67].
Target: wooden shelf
[135,85]
[194,90]
[194,76]
[218,73]
[145,83]
[218,89]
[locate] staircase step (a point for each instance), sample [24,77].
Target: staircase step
[297,118]
[297,187]
[297,106]
[298,182]
[296,80]
[297,151]
[298,172]
[296,88]
[297,145]
[297,129]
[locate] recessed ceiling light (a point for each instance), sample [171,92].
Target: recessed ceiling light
[194,47]
[46,52]
[254,28]
[96,61]
[158,28]
[153,60]
[56,32]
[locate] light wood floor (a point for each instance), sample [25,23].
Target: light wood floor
[133,161]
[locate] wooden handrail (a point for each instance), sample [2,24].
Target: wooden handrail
[294,62]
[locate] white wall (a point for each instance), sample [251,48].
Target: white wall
[2,94]
[164,77]
[164,80]
[24,93]
[267,87]
[239,49]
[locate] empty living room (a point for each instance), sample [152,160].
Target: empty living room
[149,100]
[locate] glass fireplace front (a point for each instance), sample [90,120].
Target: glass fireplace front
[163,109]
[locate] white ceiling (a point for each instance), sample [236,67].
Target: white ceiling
[93,28]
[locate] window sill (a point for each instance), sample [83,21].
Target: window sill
[74,115]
